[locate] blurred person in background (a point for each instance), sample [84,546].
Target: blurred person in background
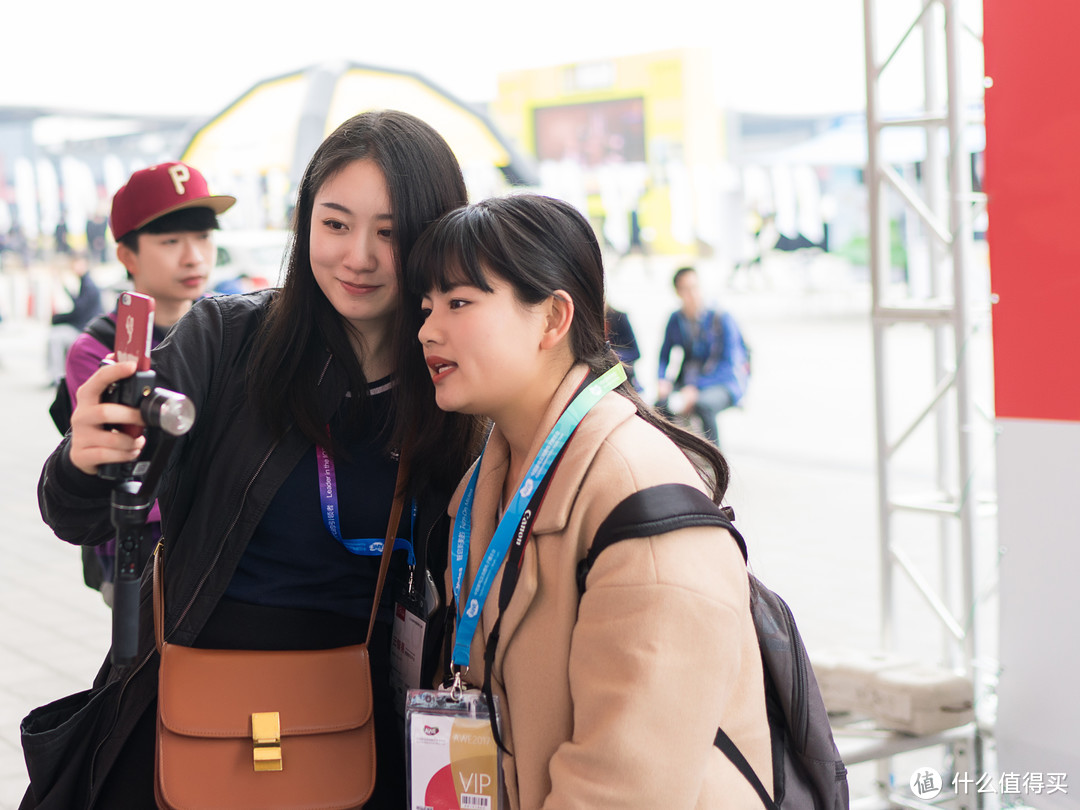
[66,326]
[163,221]
[60,236]
[17,243]
[715,367]
[622,339]
[96,228]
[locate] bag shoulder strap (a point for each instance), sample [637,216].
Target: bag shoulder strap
[159,600]
[384,563]
[388,543]
[732,752]
[658,510]
[102,329]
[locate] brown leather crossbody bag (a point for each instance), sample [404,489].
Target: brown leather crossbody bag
[264,728]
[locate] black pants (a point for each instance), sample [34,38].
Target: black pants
[235,625]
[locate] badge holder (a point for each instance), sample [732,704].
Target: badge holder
[413,609]
[452,758]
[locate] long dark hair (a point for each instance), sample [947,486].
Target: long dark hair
[539,245]
[302,327]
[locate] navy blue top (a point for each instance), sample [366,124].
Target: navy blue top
[293,561]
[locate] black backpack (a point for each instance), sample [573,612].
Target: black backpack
[808,772]
[102,329]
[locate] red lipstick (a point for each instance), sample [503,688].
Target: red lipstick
[440,367]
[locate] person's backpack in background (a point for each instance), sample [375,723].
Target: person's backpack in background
[743,367]
[807,769]
[102,329]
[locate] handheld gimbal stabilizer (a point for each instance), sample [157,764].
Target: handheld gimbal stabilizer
[170,415]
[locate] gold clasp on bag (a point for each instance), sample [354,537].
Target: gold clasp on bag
[266,736]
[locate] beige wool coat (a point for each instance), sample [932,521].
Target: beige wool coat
[614,702]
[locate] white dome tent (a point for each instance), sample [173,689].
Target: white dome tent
[257,147]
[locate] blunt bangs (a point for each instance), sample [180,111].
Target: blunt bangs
[450,253]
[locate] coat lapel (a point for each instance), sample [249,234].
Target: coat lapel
[553,516]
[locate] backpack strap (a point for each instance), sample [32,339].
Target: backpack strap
[732,752]
[658,510]
[717,327]
[102,329]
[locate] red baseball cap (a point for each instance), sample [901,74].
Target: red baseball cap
[159,190]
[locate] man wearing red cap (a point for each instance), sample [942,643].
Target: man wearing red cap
[163,221]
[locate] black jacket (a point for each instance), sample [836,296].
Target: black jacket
[221,478]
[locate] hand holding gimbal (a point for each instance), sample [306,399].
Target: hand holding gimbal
[168,414]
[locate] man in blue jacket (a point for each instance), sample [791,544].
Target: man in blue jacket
[715,365]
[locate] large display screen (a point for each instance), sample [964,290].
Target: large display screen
[592,134]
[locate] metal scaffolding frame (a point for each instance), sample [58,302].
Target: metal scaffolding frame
[941,200]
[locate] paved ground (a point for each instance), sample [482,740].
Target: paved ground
[53,630]
[801,449]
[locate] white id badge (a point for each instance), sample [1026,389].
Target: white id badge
[406,653]
[453,761]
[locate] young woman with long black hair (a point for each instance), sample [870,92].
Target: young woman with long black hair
[281,381]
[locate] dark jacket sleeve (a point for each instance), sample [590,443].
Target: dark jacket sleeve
[75,505]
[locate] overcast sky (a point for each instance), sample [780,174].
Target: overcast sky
[200,55]
[127,55]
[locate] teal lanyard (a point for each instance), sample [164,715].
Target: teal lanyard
[469,616]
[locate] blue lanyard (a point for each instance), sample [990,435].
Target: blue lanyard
[469,617]
[367,547]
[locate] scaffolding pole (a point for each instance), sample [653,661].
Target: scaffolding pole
[941,201]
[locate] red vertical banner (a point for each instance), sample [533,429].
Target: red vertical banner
[1033,183]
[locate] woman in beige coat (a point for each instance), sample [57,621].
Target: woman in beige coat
[609,699]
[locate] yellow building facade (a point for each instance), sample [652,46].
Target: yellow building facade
[636,141]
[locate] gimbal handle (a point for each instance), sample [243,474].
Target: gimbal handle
[132,500]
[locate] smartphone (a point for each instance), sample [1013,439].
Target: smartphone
[134,329]
[134,333]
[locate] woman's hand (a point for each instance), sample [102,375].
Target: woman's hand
[92,444]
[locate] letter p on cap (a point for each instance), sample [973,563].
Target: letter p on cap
[180,175]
